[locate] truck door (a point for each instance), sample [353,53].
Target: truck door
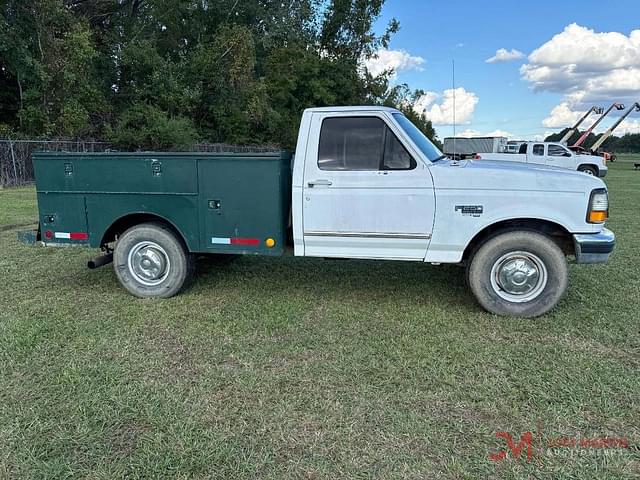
[558,156]
[364,194]
[537,154]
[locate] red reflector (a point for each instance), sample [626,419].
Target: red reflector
[245,241]
[48,234]
[79,236]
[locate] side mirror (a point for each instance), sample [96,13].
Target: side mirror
[566,154]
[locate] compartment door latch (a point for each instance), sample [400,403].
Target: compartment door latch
[156,168]
[215,205]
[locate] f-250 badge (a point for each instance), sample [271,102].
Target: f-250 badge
[472,210]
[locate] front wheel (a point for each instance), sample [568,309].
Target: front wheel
[151,261]
[588,170]
[520,273]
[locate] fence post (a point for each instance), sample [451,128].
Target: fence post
[13,158]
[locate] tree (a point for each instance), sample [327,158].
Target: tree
[159,73]
[144,126]
[403,98]
[47,62]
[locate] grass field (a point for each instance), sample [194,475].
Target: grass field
[302,368]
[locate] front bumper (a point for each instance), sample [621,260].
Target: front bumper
[594,247]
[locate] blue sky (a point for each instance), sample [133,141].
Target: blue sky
[433,33]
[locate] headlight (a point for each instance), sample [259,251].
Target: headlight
[598,206]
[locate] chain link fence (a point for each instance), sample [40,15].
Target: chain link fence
[16,167]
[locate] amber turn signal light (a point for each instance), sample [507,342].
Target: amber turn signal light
[597,217]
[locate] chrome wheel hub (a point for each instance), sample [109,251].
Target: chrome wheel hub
[518,276]
[149,263]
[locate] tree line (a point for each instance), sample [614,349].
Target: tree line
[158,74]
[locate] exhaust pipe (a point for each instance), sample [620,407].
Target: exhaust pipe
[100,261]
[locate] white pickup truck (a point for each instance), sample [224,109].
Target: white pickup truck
[552,155]
[365,184]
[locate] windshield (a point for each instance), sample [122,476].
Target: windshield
[430,151]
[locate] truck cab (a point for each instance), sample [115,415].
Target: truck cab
[361,188]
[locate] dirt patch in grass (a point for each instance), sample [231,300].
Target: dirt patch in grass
[6,228]
[125,439]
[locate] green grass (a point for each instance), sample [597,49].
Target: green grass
[17,207]
[304,368]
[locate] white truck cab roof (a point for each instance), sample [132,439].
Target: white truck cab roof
[361,108]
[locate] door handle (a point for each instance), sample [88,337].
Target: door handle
[323,183]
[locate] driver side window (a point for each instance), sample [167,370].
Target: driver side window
[361,144]
[395,156]
[557,151]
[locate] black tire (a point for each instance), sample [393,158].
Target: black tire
[507,263]
[588,170]
[150,261]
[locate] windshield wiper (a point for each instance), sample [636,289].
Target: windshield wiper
[441,157]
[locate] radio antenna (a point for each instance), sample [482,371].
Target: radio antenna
[453,83]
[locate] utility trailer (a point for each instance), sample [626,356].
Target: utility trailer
[463,147]
[365,184]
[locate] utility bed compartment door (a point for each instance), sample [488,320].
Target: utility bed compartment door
[244,202]
[63,219]
[116,173]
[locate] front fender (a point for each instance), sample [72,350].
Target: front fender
[461,216]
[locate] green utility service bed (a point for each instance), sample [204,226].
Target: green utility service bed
[218,202]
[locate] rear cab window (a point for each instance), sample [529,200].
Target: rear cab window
[538,149]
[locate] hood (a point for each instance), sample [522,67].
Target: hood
[496,175]
[595,159]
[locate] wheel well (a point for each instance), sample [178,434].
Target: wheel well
[589,165]
[554,231]
[121,225]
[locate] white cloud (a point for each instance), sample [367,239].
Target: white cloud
[439,107]
[470,132]
[504,55]
[561,116]
[587,66]
[392,60]
[628,126]
[499,133]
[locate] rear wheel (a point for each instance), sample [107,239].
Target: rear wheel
[151,261]
[520,273]
[588,170]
